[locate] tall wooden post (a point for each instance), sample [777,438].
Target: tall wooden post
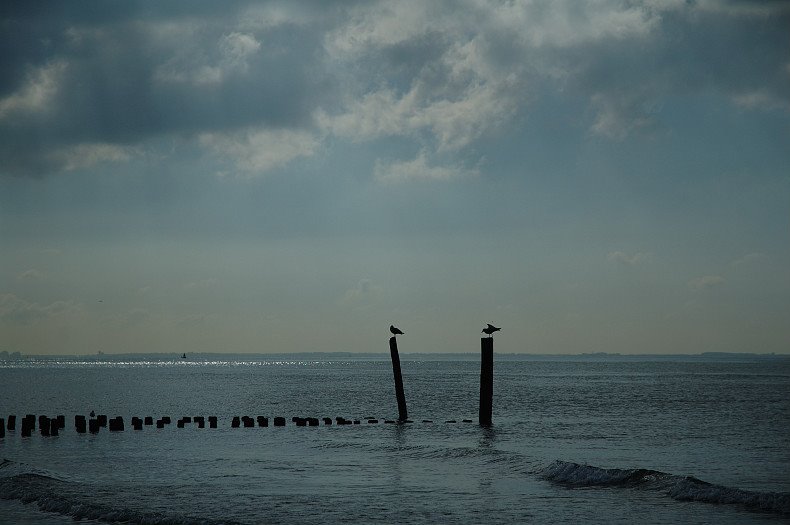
[486,380]
[402,415]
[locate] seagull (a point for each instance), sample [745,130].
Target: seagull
[395,331]
[490,329]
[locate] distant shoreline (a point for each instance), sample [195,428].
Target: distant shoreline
[414,356]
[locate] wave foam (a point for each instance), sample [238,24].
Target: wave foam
[681,488]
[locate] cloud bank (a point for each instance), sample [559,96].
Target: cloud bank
[256,86]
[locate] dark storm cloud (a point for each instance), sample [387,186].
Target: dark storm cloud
[120,73]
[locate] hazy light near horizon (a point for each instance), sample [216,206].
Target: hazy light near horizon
[297,176]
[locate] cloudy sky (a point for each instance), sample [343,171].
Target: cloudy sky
[600,176]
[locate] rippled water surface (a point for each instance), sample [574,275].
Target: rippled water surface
[701,441]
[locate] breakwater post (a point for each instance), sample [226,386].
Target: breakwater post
[402,414]
[486,380]
[12,423]
[2,427]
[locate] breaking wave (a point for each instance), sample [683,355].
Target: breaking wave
[681,488]
[30,485]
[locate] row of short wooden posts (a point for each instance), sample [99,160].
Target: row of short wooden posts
[51,426]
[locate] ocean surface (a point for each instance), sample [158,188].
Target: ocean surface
[574,439]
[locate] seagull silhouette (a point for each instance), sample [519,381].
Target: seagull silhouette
[395,331]
[490,329]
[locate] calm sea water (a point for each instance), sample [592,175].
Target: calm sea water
[615,440]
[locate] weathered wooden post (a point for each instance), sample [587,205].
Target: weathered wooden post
[2,427]
[12,423]
[26,427]
[116,424]
[80,424]
[402,414]
[486,380]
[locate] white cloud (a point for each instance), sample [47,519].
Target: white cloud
[742,8]
[193,64]
[750,258]
[256,151]
[38,91]
[31,275]
[706,282]
[486,56]
[761,99]
[417,169]
[87,155]
[630,260]
[18,311]
[364,291]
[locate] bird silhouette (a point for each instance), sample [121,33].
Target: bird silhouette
[395,331]
[490,329]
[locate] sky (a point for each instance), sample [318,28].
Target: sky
[592,176]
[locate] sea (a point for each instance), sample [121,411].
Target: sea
[589,438]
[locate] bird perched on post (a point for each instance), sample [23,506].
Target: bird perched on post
[490,329]
[395,331]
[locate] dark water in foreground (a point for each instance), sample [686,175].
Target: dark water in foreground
[600,441]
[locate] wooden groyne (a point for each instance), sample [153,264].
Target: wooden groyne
[52,426]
